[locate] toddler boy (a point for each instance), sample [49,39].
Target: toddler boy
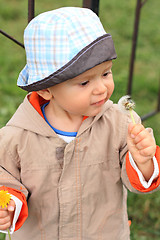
[68,150]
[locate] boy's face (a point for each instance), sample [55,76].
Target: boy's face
[85,94]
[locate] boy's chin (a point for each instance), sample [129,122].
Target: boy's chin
[93,114]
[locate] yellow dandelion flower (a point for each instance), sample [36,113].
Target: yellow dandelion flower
[5,198]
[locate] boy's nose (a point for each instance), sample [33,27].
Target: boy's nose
[99,87]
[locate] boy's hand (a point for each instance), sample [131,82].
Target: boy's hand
[142,147]
[6,215]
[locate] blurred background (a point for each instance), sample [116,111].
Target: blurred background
[118,19]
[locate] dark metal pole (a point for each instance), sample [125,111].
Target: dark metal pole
[134,43]
[92,4]
[158,107]
[154,112]
[148,115]
[31,5]
[10,37]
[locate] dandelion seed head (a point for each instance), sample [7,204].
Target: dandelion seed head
[126,104]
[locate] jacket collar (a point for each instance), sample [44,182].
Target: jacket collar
[29,117]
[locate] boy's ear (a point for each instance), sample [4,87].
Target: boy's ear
[45,94]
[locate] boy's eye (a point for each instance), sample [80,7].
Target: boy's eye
[106,74]
[84,83]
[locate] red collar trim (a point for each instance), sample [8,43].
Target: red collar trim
[37,101]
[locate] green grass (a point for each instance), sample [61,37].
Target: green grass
[118,19]
[2,236]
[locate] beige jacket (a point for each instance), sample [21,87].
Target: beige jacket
[75,191]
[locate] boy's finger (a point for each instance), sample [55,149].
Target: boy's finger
[136,129]
[3,214]
[11,206]
[2,209]
[130,127]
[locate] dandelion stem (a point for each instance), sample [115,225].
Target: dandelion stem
[131,113]
[9,235]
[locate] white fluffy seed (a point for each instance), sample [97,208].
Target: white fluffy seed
[126,104]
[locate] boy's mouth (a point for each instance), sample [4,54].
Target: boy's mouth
[99,103]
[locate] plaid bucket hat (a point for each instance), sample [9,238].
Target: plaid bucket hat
[61,44]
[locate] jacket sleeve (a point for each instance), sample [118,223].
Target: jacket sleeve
[134,178]
[10,174]
[24,210]
[129,175]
